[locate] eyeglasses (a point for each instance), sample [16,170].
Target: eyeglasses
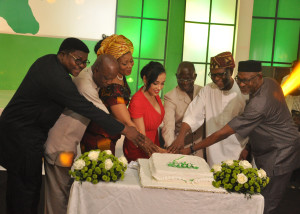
[220,75]
[79,62]
[185,80]
[245,81]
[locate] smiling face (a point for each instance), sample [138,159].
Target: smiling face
[186,79]
[157,85]
[249,82]
[126,63]
[222,78]
[69,61]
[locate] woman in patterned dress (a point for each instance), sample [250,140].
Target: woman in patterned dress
[115,97]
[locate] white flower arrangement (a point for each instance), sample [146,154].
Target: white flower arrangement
[108,152]
[79,164]
[123,160]
[93,155]
[108,164]
[245,164]
[229,162]
[261,173]
[96,165]
[217,168]
[239,176]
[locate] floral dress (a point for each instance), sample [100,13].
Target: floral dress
[95,137]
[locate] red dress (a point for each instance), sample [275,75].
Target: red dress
[139,106]
[95,137]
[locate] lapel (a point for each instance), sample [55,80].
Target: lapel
[182,96]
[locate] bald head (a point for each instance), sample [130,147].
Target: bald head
[105,69]
[186,67]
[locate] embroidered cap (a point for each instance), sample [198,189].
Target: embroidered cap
[222,60]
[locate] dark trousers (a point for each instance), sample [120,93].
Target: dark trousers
[23,188]
[274,192]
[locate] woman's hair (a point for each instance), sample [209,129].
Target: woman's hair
[98,44]
[151,71]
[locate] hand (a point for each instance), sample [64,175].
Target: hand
[149,147]
[185,151]
[244,154]
[133,135]
[176,145]
[161,150]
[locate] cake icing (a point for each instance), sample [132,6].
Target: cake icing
[177,167]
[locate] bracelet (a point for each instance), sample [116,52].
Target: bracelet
[192,149]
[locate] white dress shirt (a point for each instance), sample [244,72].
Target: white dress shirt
[217,108]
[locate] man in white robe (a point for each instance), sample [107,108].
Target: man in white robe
[216,104]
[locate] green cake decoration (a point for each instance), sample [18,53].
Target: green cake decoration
[184,164]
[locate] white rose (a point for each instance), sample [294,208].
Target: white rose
[229,162]
[241,178]
[108,152]
[245,164]
[93,155]
[217,168]
[108,164]
[123,160]
[262,173]
[79,164]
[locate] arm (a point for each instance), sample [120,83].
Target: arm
[139,123]
[149,146]
[59,87]
[86,89]
[193,119]
[245,152]
[120,112]
[168,130]
[179,142]
[212,139]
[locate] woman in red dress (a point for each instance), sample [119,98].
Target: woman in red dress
[146,109]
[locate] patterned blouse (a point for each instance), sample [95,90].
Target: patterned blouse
[95,137]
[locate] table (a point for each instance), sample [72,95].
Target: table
[128,196]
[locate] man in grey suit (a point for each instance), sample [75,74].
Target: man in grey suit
[274,139]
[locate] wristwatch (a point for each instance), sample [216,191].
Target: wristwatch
[192,149]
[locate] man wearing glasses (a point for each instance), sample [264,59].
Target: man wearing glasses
[216,104]
[274,139]
[38,102]
[176,103]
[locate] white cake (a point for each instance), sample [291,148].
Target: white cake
[190,169]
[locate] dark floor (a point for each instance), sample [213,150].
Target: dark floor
[290,204]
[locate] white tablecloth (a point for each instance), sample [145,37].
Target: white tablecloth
[128,196]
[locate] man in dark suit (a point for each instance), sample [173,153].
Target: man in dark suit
[24,124]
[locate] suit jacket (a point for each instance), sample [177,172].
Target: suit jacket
[176,103]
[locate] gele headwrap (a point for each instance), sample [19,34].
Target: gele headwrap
[116,45]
